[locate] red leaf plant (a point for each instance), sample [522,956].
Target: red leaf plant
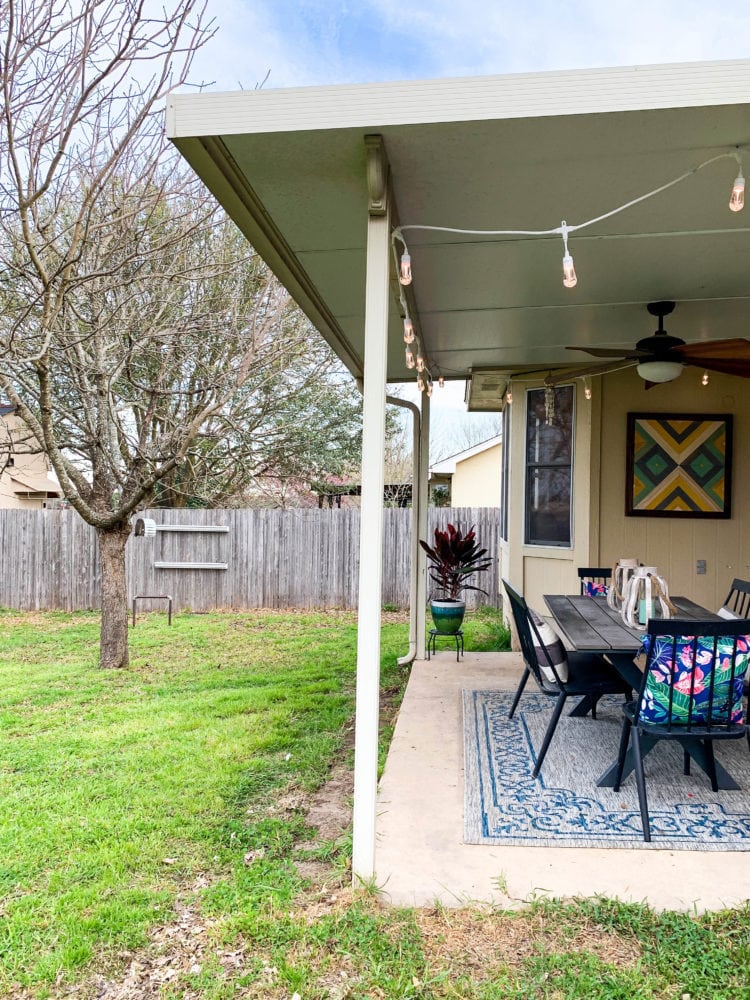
[453,559]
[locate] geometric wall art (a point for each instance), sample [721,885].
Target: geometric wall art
[679,465]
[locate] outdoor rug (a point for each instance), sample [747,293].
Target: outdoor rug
[563,807]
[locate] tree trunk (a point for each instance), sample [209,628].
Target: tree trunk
[113,651]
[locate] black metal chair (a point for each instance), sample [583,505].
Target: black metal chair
[738,598]
[588,674]
[691,692]
[597,575]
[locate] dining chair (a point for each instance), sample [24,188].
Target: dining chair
[691,692]
[594,580]
[558,673]
[737,603]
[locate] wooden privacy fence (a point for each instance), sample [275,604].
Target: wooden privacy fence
[208,559]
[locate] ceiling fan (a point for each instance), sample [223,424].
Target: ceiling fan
[661,357]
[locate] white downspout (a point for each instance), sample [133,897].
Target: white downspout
[416,506]
[367,715]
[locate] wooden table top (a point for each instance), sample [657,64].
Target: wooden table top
[588,623]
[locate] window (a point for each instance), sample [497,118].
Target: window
[549,465]
[505,474]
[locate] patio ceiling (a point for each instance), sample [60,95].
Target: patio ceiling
[515,152]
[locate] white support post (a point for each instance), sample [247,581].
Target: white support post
[371,549]
[421,487]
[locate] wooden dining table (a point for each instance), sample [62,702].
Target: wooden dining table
[588,624]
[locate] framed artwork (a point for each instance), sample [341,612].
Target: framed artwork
[679,465]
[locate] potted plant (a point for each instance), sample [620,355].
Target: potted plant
[454,559]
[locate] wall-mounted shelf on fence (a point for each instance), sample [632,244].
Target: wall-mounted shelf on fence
[202,528]
[190,565]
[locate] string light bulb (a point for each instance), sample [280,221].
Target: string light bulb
[570,279]
[509,392]
[704,378]
[408,331]
[420,362]
[409,358]
[737,197]
[429,388]
[587,387]
[405,276]
[420,383]
[441,382]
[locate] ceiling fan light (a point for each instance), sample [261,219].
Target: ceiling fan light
[659,371]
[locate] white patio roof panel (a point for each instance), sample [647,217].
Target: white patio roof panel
[503,152]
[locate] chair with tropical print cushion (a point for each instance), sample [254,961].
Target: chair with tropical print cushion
[691,692]
[594,580]
[558,674]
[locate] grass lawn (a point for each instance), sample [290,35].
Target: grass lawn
[154,837]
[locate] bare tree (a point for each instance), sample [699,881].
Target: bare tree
[132,315]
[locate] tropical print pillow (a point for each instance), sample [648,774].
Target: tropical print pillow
[595,589]
[686,664]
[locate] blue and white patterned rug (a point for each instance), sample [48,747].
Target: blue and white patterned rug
[564,807]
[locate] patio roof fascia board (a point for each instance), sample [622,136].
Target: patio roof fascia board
[216,167]
[519,95]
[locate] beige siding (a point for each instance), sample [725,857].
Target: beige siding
[476,481]
[671,544]
[602,532]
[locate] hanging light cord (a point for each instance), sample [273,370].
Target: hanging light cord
[563,227]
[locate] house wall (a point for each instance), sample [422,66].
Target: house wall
[602,533]
[675,545]
[476,481]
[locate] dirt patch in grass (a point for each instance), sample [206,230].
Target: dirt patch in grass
[475,940]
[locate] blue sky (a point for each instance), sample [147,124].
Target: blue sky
[312,42]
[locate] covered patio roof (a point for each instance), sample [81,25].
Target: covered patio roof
[506,152]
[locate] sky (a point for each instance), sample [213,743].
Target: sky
[293,43]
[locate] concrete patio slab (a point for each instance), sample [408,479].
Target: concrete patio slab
[420,854]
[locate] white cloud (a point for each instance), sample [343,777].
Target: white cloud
[306,42]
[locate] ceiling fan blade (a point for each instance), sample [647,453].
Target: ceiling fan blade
[736,349]
[738,366]
[610,352]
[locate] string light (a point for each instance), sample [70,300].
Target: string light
[441,382]
[405,277]
[429,388]
[509,392]
[569,272]
[549,405]
[420,361]
[704,378]
[737,197]
[587,387]
[409,358]
[420,383]
[408,331]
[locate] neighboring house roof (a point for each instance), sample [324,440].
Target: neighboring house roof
[34,482]
[6,408]
[447,466]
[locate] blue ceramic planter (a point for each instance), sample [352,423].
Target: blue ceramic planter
[448,616]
